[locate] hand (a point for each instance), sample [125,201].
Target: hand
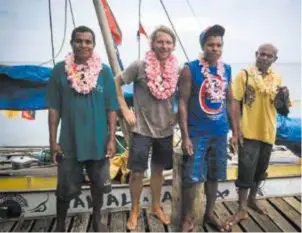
[129,116]
[173,120]
[234,144]
[284,89]
[187,146]
[111,148]
[55,151]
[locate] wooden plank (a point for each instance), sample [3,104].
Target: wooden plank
[208,228]
[23,225]
[155,225]
[247,224]
[291,214]
[42,225]
[177,211]
[264,221]
[67,223]
[7,226]
[200,228]
[80,223]
[223,214]
[104,220]
[294,203]
[118,222]
[278,219]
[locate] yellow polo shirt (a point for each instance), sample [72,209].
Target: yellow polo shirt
[258,120]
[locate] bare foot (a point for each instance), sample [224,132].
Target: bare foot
[132,221]
[216,223]
[261,210]
[188,226]
[158,213]
[236,218]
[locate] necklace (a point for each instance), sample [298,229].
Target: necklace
[215,84]
[161,84]
[83,78]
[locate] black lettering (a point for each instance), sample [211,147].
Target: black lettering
[112,199]
[146,199]
[223,194]
[78,201]
[124,199]
[167,197]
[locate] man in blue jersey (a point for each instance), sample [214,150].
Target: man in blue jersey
[205,100]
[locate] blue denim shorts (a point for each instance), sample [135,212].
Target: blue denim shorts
[209,161]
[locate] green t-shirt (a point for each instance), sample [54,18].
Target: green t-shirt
[84,128]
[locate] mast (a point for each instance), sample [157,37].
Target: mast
[138,33]
[111,53]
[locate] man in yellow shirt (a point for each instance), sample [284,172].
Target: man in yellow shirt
[253,107]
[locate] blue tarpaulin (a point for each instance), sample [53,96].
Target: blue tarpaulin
[24,88]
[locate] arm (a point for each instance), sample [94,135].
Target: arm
[233,106]
[53,122]
[127,113]
[238,90]
[54,106]
[185,85]
[111,147]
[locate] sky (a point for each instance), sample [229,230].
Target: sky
[25,38]
[24,26]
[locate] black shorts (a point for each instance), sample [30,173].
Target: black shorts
[162,152]
[71,179]
[253,161]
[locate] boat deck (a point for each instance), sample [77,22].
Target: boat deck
[284,215]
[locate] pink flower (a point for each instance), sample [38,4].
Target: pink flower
[161,85]
[91,72]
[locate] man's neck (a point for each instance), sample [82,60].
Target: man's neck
[211,62]
[263,70]
[80,61]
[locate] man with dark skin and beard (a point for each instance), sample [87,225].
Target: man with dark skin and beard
[255,126]
[82,96]
[205,100]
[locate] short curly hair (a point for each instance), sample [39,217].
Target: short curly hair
[165,29]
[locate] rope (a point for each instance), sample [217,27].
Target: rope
[72,15]
[139,22]
[51,33]
[172,25]
[193,12]
[63,40]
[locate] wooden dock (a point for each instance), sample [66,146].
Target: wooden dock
[284,216]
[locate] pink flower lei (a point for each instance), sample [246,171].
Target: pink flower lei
[161,85]
[83,78]
[215,88]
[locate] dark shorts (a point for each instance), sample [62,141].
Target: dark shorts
[253,161]
[209,161]
[71,178]
[162,152]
